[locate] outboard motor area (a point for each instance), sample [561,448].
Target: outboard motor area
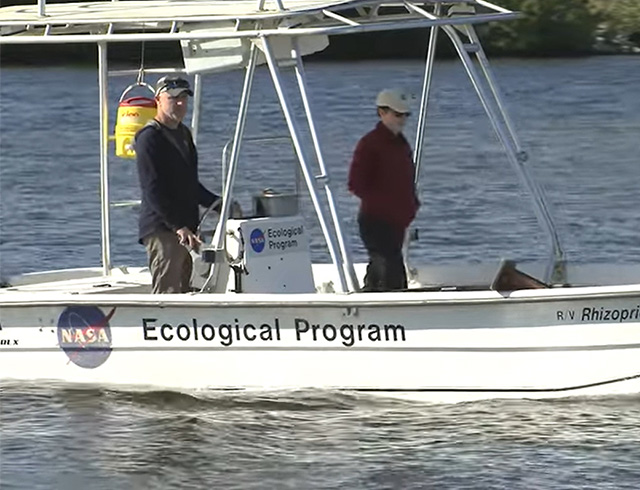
[270,255]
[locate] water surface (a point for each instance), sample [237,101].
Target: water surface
[578,119]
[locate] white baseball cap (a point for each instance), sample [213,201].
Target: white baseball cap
[394,99]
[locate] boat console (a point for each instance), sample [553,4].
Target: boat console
[269,255]
[266,252]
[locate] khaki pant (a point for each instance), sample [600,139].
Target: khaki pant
[170,263]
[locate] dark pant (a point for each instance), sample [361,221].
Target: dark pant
[169,262]
[383,242]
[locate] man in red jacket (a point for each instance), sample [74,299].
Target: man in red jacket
[382,176]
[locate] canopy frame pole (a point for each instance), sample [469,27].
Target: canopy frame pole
[555,272]
[422,122]
[197,106]
[104,157]
[424,100]
[295,138]
[215,273]
[323,178]
[493,86]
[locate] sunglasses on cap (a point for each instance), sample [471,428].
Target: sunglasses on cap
[173,83]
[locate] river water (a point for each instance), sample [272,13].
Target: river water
[578,119]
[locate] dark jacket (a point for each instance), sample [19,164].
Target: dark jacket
[167,163]
[382,176]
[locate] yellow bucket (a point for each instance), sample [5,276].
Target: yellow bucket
[133,114]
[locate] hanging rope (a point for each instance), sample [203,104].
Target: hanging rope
[140,80]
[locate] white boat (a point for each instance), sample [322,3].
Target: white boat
[552,329]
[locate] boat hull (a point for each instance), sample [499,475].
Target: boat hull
[424,346]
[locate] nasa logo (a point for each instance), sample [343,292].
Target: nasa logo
[257,240]
[85,336]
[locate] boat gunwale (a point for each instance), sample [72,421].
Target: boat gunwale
[405,298]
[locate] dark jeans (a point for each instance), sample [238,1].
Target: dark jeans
[385,271]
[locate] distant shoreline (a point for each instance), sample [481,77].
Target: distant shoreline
[404,46]
[546,29]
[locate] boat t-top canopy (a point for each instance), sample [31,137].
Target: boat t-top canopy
[240,34]
[137,20]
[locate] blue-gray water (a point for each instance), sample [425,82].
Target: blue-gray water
[578,119]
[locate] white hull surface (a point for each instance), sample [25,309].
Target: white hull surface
[435,346]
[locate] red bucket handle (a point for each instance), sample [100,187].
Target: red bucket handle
[130,100]
[136,85]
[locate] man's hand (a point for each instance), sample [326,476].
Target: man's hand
[188,238]
[236,210]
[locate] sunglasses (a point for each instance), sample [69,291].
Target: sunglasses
[395,113]
[399,114]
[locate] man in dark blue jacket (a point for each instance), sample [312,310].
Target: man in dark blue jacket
[167,163]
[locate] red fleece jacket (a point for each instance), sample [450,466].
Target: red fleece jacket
[382,176]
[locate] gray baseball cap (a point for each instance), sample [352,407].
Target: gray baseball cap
[173,85]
